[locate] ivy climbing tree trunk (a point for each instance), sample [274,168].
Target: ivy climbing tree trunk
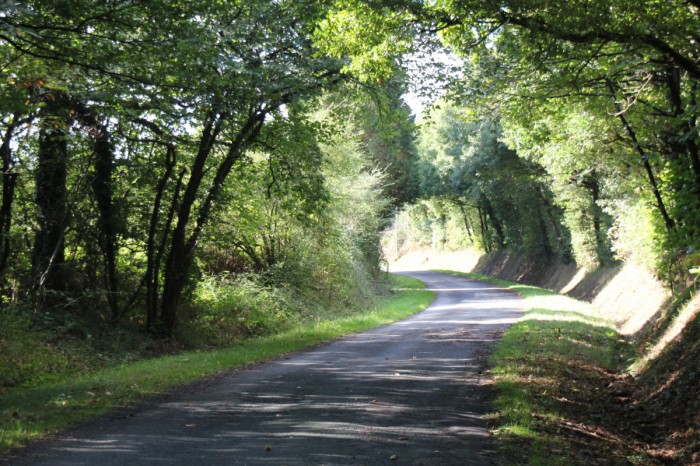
[51,173]
[103,192]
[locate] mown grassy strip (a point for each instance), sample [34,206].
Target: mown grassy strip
[31,413]
[551,371]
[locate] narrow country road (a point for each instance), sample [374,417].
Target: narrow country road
[409,393]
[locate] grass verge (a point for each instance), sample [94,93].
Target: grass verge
[30,413]
[555,375]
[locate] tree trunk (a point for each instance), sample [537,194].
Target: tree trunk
[484,233]
[182,248]
[154,250]
[682,141]
[551,217]
[178,262]
[467,223]
[51,172]
[9,183]
[692,128]
[102,189]
[590,183]
[500,237]
[544,232]
[668,221]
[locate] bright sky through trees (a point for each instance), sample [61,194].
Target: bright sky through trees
[429,73]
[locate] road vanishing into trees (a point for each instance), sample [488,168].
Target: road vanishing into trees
[409,393]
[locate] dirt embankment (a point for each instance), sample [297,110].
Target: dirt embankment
[661,393]
[625,294]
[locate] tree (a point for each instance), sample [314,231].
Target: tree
[192,85]
[634,66]
[386,128]
[502,195]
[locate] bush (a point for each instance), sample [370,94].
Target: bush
[227,308]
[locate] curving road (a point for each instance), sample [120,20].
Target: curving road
[408,393]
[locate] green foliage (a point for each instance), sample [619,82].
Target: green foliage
[229,309]
[435,223]
[22,360]
[593,94]
[38,349]
[482,191]
[634,234]
[299,232]
[370,38]
[383,126]
[194,145]
[601,94]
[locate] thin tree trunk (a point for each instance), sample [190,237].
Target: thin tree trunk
[668,221]
[153,258]
[553,221]
[484,234]
[544,232]
[467,224]
[602,250]
[500,237]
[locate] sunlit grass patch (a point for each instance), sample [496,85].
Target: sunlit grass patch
[27,413]
[402,282]
[545,370]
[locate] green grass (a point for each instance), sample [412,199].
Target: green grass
[552,370]
[31,413]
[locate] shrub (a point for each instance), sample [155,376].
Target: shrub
[227,308]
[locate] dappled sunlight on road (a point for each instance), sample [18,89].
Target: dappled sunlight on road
[414,389]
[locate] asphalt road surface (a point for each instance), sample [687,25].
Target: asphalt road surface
[409,393]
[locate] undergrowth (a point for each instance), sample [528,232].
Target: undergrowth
[36,350]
